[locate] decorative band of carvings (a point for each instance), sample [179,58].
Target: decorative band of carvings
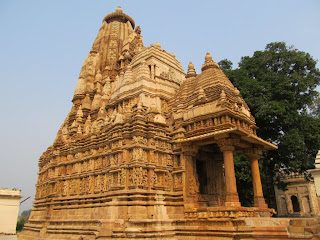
[220,214]
[227,144]
[190,150]
[207,135]
[253,153]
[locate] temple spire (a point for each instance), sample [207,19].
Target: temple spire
[209,63]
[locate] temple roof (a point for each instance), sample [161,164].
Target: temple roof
[211,85]
[119,16]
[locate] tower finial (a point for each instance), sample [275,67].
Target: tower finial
[119,9]
[158,45]
[208,62]
[191,71]
[208,58]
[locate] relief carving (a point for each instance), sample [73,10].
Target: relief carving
[139,140]
[151,156]
[137,154]
[168,181]
[226,142]
[137,177]
[99,163]
[123,177]
[189,150]
[97,183]
[65,188]
[193,186]
[159,179]
[178,181]
[152,179]
[169,160]
[91,185]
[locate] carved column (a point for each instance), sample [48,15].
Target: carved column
[191,185]
[227,148]
[253,156]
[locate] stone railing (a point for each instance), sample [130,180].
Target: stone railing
[218,123]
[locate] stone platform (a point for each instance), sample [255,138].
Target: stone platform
[206,228]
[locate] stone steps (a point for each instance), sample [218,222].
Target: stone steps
[305,227]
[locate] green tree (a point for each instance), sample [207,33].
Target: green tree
[244,183]
[315,107]
[20,224]
[26,213]
[279,85]
[225,64]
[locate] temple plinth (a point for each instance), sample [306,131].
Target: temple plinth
[146,151]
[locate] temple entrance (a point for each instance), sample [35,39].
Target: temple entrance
[210,173]
[210,176]
[295,204]
[202,176]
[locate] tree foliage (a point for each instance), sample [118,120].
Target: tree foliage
[279,85]
[244,183]
[225,64]
[20,224]
[26,213]
[315,107]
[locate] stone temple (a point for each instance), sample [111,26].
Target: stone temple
[146,151]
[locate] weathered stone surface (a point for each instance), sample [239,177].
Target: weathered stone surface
[147,150]
[299,199]
[9,209]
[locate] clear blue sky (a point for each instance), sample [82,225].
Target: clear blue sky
[44,43]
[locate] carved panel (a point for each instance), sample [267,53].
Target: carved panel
[178,183]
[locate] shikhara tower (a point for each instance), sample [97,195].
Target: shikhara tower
[147,150]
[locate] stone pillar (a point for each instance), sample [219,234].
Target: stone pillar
[221,190]
[258,200]
[226,147]
[191,185]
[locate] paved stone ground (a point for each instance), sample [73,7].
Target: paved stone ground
[8,237]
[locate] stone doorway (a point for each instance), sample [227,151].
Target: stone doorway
[295,204]
[202,176]
[210,176]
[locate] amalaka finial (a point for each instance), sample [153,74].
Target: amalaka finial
[119,9]
[190,66]
[236,91]
[208,58]
[158,45]
[118,15]
[191,71]
[208,62]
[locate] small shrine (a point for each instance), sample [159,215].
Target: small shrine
[300,197]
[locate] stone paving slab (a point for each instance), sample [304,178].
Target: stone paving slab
[8,237]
